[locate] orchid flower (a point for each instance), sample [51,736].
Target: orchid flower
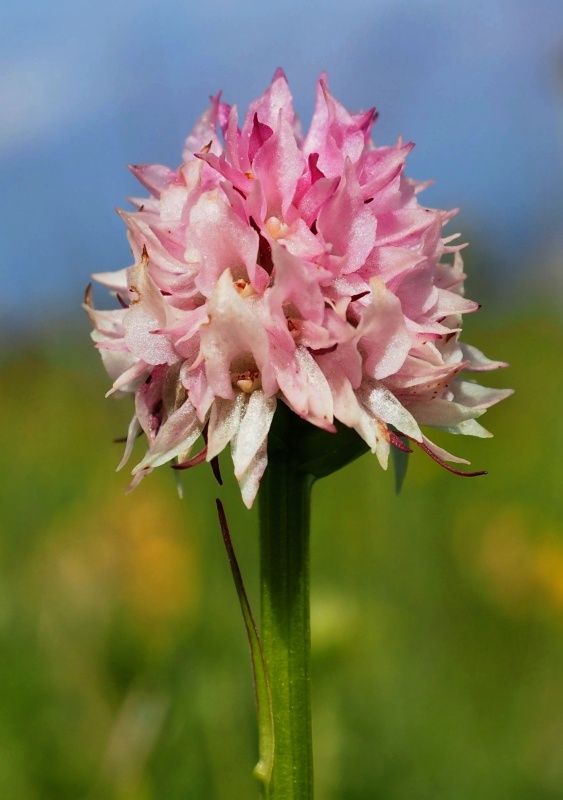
[276,268]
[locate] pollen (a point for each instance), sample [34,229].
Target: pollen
[276,228]
[294,328]
[247,381]
[244,288]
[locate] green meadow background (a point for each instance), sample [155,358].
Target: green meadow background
[437,614]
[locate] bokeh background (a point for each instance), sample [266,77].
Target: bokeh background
[437,614]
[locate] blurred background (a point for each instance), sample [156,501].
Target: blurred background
[437,614]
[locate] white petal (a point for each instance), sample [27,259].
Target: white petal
[128,377]
[346,406]
[138,478]
[318,396]
[442,413]
[176,436]
[443,454]
[374,434]
[249,481]
[108,323]
[116,362]
[253,430]
[382,451]
[224,422]
[359,416]
[145,315]
[113,280]
[468,427]
[380,401]
[133,431]
[234,329]
[478,362]
[475,396]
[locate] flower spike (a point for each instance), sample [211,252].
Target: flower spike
[275,270]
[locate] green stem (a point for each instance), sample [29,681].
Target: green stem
[285,493]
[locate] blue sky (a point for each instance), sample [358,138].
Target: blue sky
[86,88]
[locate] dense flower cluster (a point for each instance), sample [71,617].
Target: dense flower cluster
[275,267]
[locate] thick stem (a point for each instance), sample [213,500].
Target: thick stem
[284,561]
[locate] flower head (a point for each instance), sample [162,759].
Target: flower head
[275,267]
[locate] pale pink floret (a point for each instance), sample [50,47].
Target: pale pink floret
[275,268]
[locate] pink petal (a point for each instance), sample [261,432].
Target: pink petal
[404,227]
[305,387]
[147,314]
[218,240]
[381,166]
[194,379]
[233,331]
[276,97]
[335,134]
[278,165]
[204,131]
[384,337]
[155,177]
[296,282]
[315,198]
[347,223]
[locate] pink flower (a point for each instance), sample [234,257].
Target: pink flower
[272,267]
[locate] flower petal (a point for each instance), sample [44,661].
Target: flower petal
[249,480]
[224,422]
[379,400]
[146,315]
[252,431]
[176,436]
[384,336]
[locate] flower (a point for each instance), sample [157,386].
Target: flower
[276,267]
